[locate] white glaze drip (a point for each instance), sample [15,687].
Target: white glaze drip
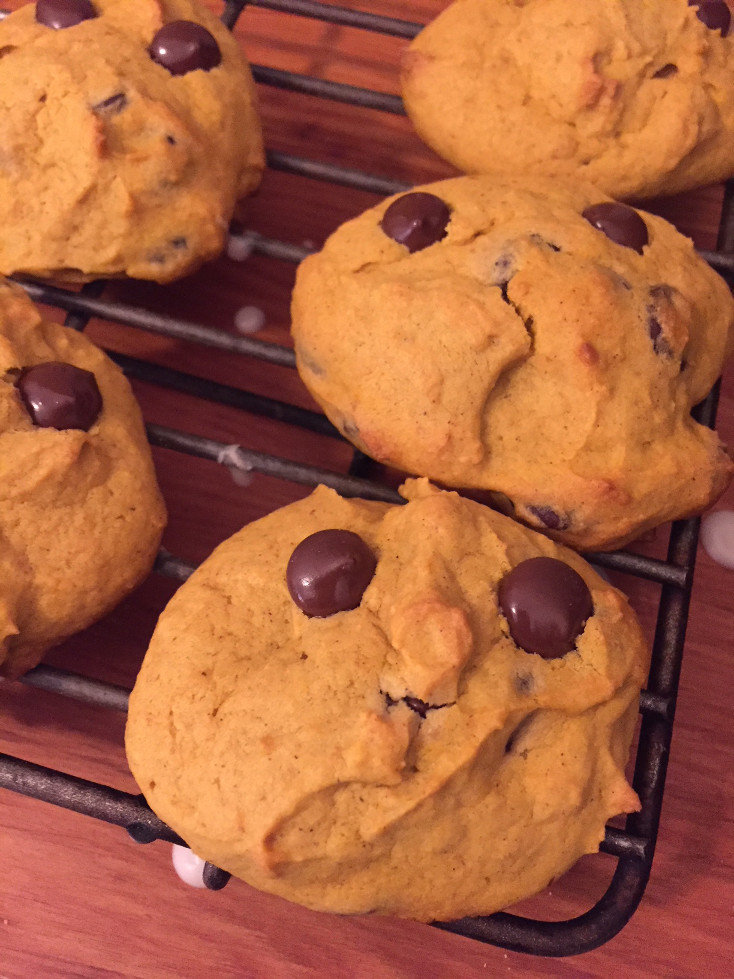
[717,537]
[188,866]
[249,319]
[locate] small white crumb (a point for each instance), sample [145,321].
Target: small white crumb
[717,537]
[309,243]
[231,457]
[249,319]
[187,865]
[240,247]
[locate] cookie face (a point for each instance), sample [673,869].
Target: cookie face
[80,512]
[129,131]
[635,97]
[546,344]
[407,756]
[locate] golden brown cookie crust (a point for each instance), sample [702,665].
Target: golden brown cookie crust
[81,515]
[636,97]
[517,355]
[110,165]
[280,746]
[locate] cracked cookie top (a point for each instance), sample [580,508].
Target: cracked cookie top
[543,343]
[129,130]
[637,97]
[81,515]
[442,742]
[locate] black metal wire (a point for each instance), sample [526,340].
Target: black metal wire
[634,846]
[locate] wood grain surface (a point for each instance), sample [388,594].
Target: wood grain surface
[78,898]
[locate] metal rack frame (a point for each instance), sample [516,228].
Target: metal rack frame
[632,847]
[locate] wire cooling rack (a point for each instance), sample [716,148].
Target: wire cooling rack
[633,847]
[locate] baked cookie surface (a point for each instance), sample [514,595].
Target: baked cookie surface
[544,343]
[407,754]
[80,512]
[636,96]
[121,155]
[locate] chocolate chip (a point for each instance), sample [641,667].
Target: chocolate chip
[546,604]
[171,140]
[660,296]
[502,271]
[540,240]
[715,14]
[59,14]
[183,46]
[416,220]
[59,395]
[329,571]
[349,426]
[550,518]
[419,706]
[621,224]
[179,243]
[112,106]
[524,683]
[667,71]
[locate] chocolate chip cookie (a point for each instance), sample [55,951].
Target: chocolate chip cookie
[637,98]
[128,131]
[80,512]
[421,710]
[546,344]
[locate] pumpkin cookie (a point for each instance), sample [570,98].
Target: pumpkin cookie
[129,130]
[80,512]
[421,710]
[637,98]
[544,343]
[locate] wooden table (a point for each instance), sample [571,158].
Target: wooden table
[78,898]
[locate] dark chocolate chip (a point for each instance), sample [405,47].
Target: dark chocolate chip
[179,243]
[419,706]
[59,395]
[171,140]
[524,683]
[540,240]
[620,223]
[546,604]
[715,14]
[502,271]
[416,220]
[329,571]
[59,14]
[349,427]
[659,344]
[183,46]
[112,106]
[550,518]
[667,71]
[659,295]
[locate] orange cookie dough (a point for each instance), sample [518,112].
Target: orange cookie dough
[373,708]
[541,342]
[636,96]
[125,138]
[80,512]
